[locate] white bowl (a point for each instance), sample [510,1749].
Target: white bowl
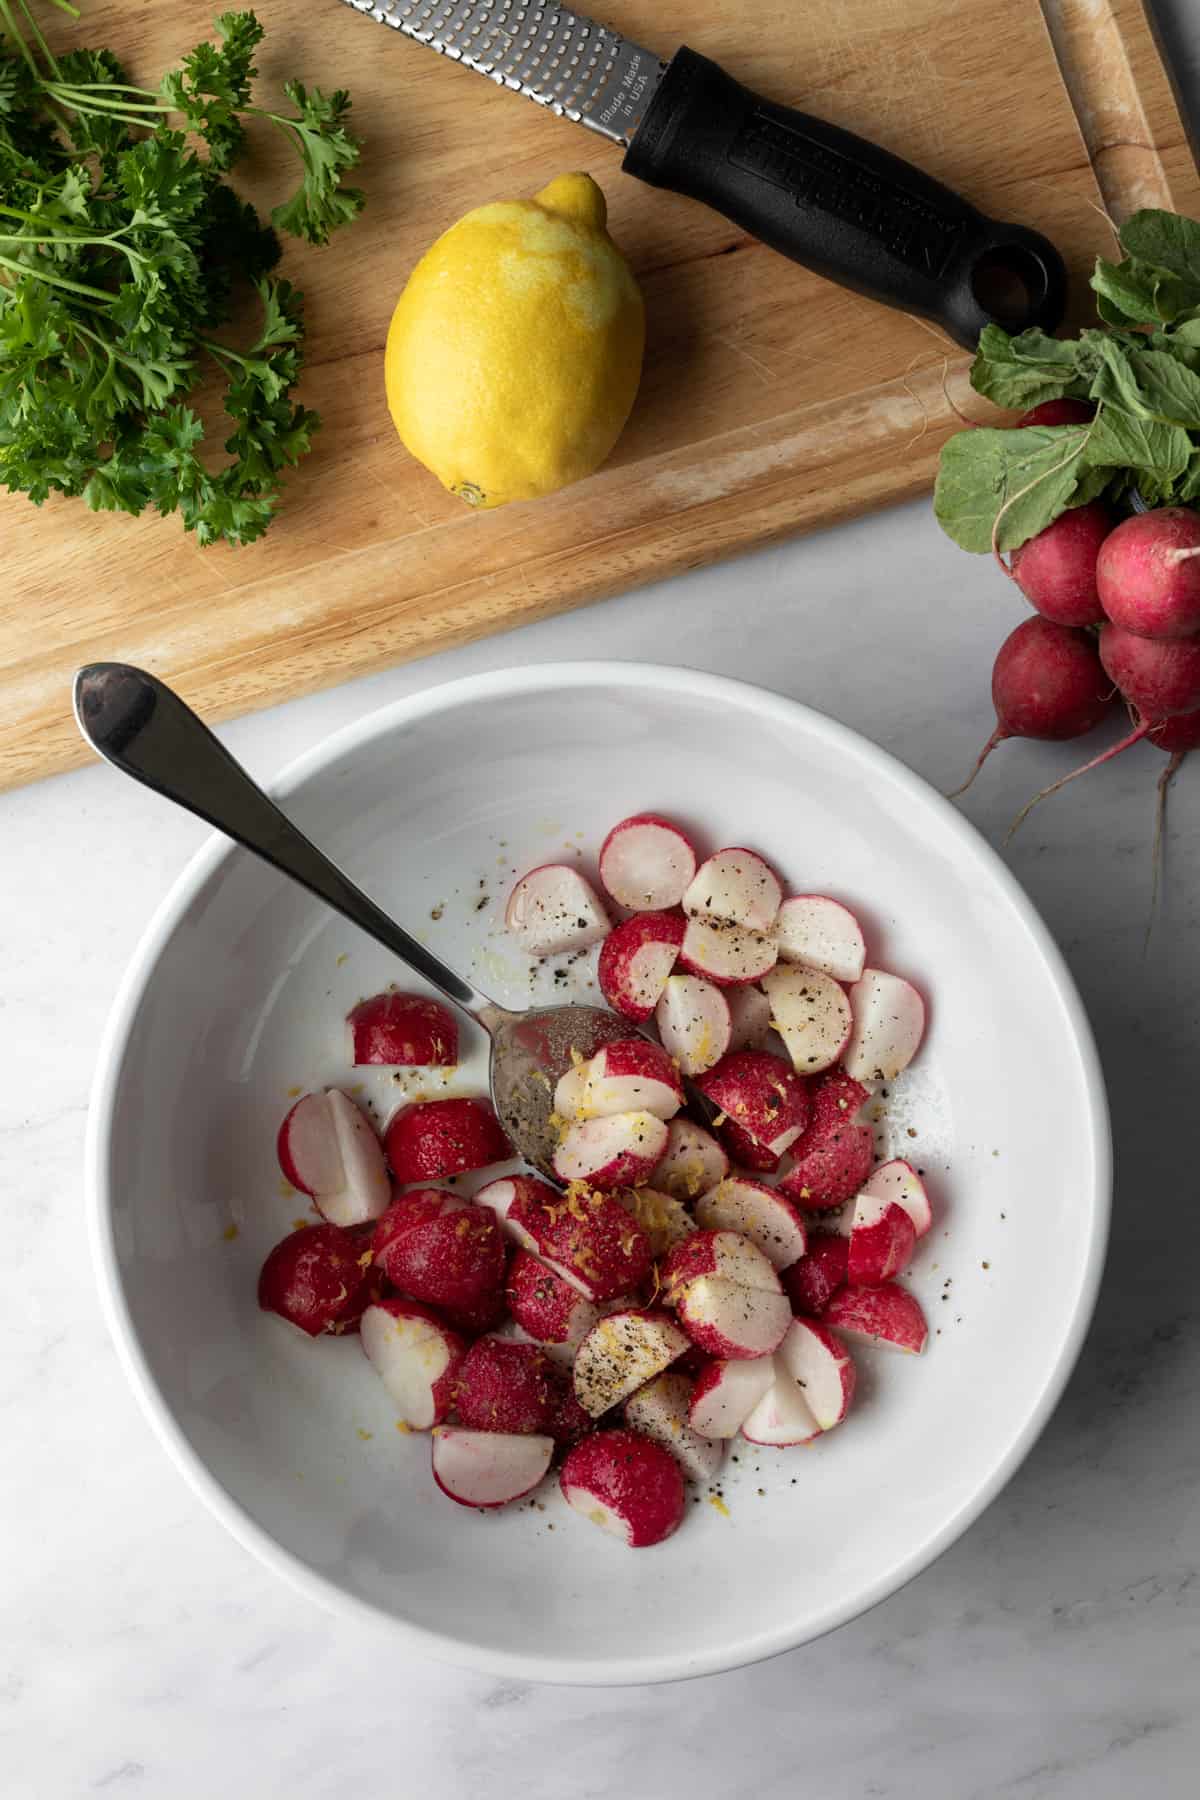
[236,998]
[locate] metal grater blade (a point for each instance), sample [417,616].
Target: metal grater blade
[562,60]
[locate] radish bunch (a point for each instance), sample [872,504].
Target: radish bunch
[689,1282]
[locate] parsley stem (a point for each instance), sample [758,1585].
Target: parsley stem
[59,281]
[38,39]
[76,98]
[18,38]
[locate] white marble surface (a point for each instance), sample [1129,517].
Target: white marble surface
[1054,1652]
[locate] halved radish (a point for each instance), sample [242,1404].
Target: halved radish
[570,1094]
[782,1417]
[744,1153]
[488,1468]
[822,934]
[646,863]
[725,1254]
[315,1278]
[879,1315]
[402,1031]
[585,1236]
[568,1421]
[693,1023]
[889,1023]
[553,911]
[822,1368]
[660,1411]
[726,1393]
[749,1018]
[416,1355]
[626,1484]
[665,1220]
[618,1151]
[724,953]
[547,1306]
[635,960]
[432,1139]
[759,1213]
[438,1248]
[811,1014]
[834,1157]
[629,1076]
[505,1385]
[761,1095]
[812,1282]
[882,1239]
[736,885]
[728,1320]
[692,1161]
[328,1149]
[899,1182]
[621,1353]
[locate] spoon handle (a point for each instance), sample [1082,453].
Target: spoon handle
[144,729]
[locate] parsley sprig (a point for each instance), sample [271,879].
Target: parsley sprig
[121,248]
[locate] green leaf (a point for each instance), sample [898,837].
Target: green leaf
[1126,290]
[1023,371]
[1117,440]
[327,150]
[1149,384]
[1165,240]
[1023,478]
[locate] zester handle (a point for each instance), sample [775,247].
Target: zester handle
[843,207]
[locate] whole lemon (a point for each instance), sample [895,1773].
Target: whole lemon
[515,350]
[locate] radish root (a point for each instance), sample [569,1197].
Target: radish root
[1160,831]
[998,736]
[1126,743]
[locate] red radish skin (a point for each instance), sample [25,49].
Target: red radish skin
[621,1353]
[660,1411]
[1149,573]
[636,959]
[632,1075]
[1048,683]
[403,1031]
[770,1221]
[726,1393]
[618,1151]
[882,1240]
[692,1161]
[1058,412]
[760,1094]
[486,1469]
[437,1248]
[1057,569]
[725,1254]
[505,1386]
[315,1278]
[568,1422]
[586,1235]
[694,1023]
[626,1484]
[898,1183]
[553,911]
[886,1315]
[745,1153]
[646,863]
[832,1160]
[821,934]
[417,1357]
[433,1139]
[328,1149]
[728,955]
[735,885]
[547,1306]
[811,1283]
[812,1015]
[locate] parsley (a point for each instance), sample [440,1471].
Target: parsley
[122,251]
[1141,368]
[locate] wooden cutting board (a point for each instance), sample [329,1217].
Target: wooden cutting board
[772,401]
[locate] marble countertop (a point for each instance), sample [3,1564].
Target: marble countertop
[1053,1652]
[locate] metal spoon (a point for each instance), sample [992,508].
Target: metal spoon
[144,729]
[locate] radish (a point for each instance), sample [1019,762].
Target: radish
[646,863]
[570,1094]
[745,1153]
[626,1484]
[617,1151]
[693,1022]
[726,1254]
[833,1158]
[1057,569]
[1047,683]
[729,1320]
[553,911]
[761,1095]
[1058,412]
[821,1367]
[315,1278]
[665,1220]
[547,1306]
[898,1183]
[585,1236]
[726,954]
[749,1018]
[568,1422]
[660,1411]
[328,1149]
[416,1355]
[1149,573]
[782,1417]
[621,1353]
[879,1315]
[726,1393]
[811,1014]
[635,960]
[735,885]
[811,1283]
[759,1213]
[488,1468]
[821,934]
[889,1023]
[403,1030]
[692,1161]
[432,1139]
[505,1386]
[882,1240]
[439,1248]
[630,1076]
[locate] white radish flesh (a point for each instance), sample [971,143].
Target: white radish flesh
[729,1320]
[767,1218]
[821,1367]
[821,934]
[889,1023]
[736,885]
[724,953]
[660,1411]
[898,1182]
[488,1468]
[693,1022]
[620,1354]
[646,863]
[632,1075]
[614,1152]
[781,1418]
[726,1393]
[692,1161]
[553,911]
[811,1014]
[571,1095]
[415,1357]
[329,1150]
[749,1018]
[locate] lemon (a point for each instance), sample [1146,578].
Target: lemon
[515,350]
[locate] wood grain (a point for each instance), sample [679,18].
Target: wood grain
[772,402]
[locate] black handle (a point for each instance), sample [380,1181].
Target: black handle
[841,206]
